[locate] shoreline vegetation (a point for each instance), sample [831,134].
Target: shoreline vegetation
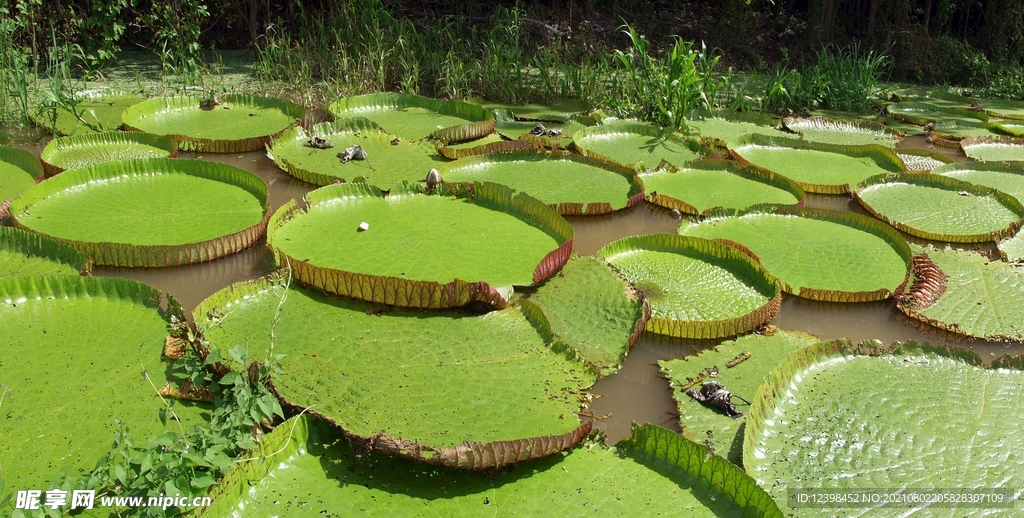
[632,59]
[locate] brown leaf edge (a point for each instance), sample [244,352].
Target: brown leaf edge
[470,455]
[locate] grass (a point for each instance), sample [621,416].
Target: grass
[506,57]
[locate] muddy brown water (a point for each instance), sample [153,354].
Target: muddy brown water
[637,392]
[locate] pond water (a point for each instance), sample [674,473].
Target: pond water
[637,392]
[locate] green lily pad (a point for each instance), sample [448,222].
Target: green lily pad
[957,129]
[487,145]
[756,356]
[922,160]
[27,254]
[818,254]
[415,118]
[149,213]
[993,149]
[730,127]
[419,250]
[570,184]
[836,415]
[819,168]
[1004,108]
[98,113]
[78,354]
[1012,128]
[697,288]
[389,159]
[19,171]
[89,149]
[589,310]
[705,184]
[1012,249]
[922,113]
[515,128]
[639,145]
[560,111]
[656,471]
[847,133]
[1004,176]
[236,124]
[940,208]
[438,387]
[965,293]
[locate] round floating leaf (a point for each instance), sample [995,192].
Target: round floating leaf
[1002,108]
[89,149]
[847,133]
[868,417]
[149,213]
[27,254]
[1012,249]
[570,184]
[78,353]
[818,168]
[490,144]
[741,366]
[697,288]
[922,160]
[588,310]
[1012,128]
[702,185]
[922,113]
[637,145]
[560,111]
[419,250]
[656,471]
[957,129]
[817,254]
[19,170]
[515,128]
[940,208]
[993,149]
[438,387]
[94,113]
[1007,177]
[730,127]
[415,118]
[235,124]
[389,159]
[964,293]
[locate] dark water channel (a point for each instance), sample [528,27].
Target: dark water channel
[637,392]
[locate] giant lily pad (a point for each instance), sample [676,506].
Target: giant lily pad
[730,127]
[817,254]
[590,311]
[415,118]
[1012,249]
[95,113]
[849,133]
[1007,177]
[19,170]
[151,213]
[993,149]
[571,184]
[561,111]
[78,353]
[637,145]
[819,168]
[389,159]
[439,387]
[27,254]
[697,288]
[1012,128]
[1005,108]
[702,185]
[940,208]
[89,149]
[836,415]
[965,293]
[656,471]
[492,143]
[957,129]
[922,160]
[741,365]
[419,250]
[922,113]
[236,124]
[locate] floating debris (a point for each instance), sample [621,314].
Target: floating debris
[318,143]
[433,178]
[395,141]
[353,153]
[676,214]
[541,131]
[963,193]
[740,358]
[710,372]
[713,393]
[363,227]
